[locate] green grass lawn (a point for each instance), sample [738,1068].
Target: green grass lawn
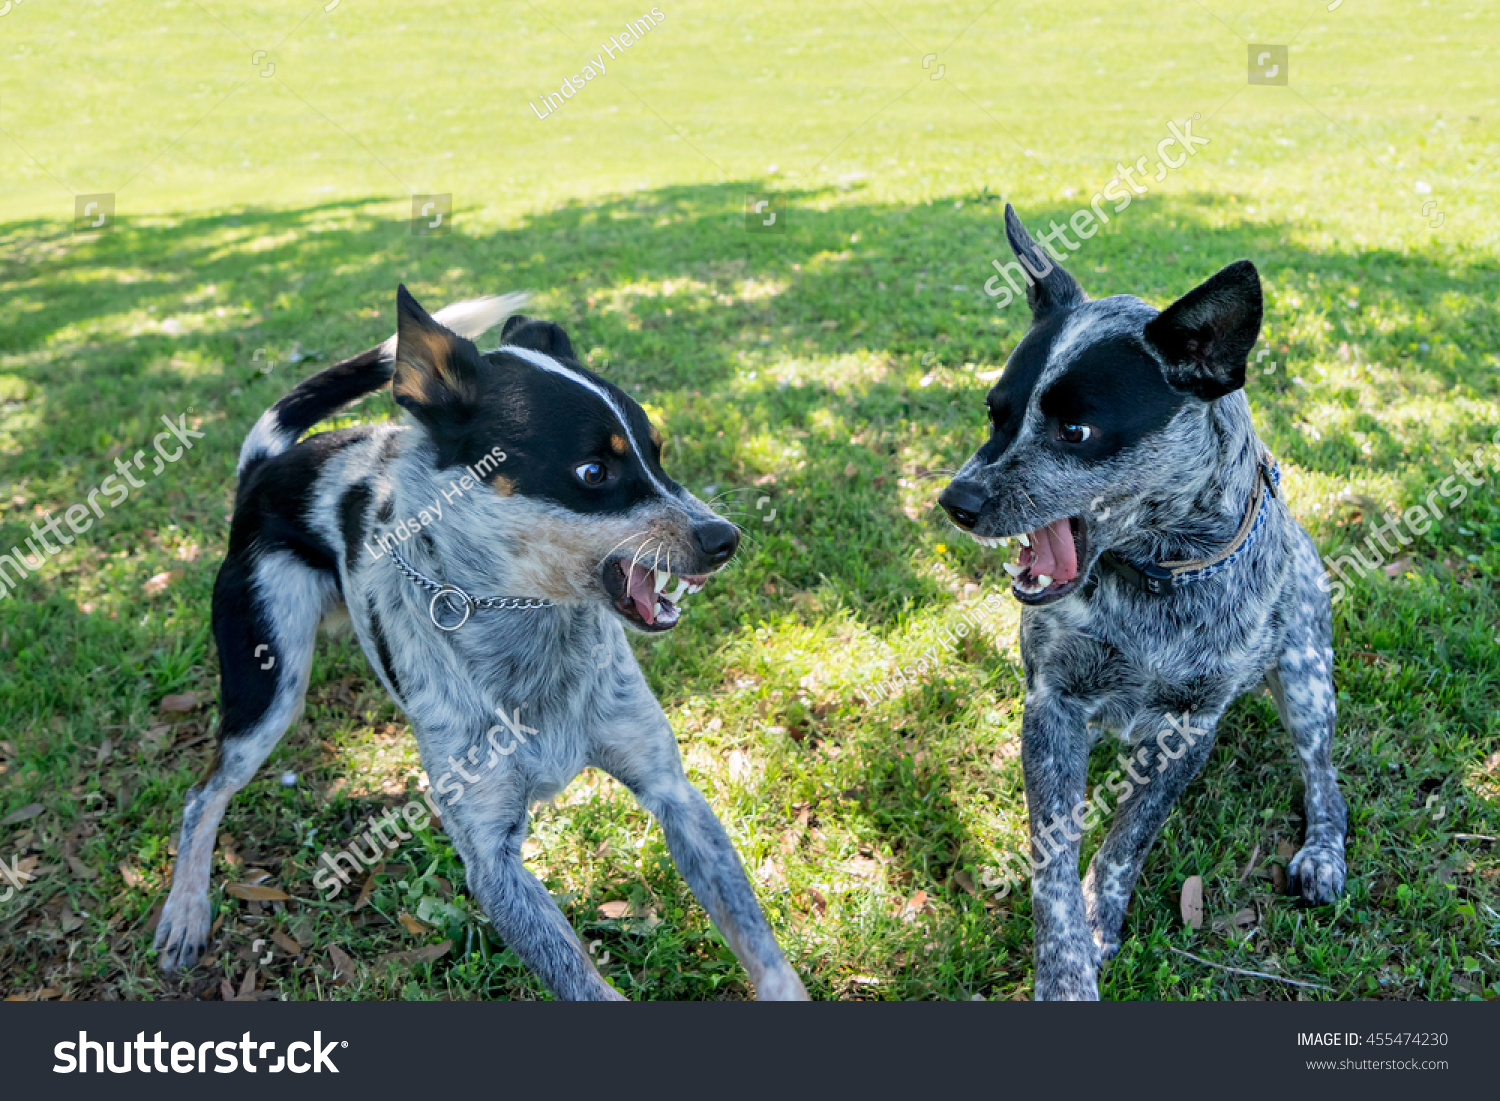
[823,376]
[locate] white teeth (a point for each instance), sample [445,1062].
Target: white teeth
[1005,542]
[676,594]
[1013,569]
[1043,580]
[1025,539]
[662,577]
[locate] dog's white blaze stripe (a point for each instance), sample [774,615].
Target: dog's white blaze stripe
[547,363]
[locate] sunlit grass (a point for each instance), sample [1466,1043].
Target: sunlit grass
[828,375]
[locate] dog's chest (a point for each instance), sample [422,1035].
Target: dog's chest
[1123,658]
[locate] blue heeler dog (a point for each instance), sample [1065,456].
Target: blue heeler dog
[1162,576]
[490,554]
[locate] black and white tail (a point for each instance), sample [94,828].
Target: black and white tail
[325,393]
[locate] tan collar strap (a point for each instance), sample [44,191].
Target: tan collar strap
[1161,578]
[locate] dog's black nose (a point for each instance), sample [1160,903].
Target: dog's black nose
[717,539]
[962,502]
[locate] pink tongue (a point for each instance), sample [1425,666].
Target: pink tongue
[642,590]
[1053,552]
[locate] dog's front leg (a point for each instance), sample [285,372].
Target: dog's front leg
[1156,774]
[706,858]
[1054,756]
[518,906]
[651,768]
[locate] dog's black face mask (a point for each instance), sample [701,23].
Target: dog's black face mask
[581,458]
[1092,416]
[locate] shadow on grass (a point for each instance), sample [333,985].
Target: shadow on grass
[825,368]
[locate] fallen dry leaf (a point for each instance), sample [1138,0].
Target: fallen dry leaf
[917,904]
[412,925]
[247,987]
[1241,919]
[255,892]
[286,943]
[80,869]
[1286,850]
[344,968]
[1192,902]
[132,877]
[106,748]
[181,703]
[31,810]
[616,909]
[425,954]
[369,888]
[1398,567]
[1278,879]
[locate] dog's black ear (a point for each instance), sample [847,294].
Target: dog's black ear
[1205,337]
[437,371]
[546,337]
[1049,287]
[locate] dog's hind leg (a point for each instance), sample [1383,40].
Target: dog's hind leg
[1157,772]
[265,617]
[1301,683]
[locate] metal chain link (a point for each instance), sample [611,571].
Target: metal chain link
[469,603]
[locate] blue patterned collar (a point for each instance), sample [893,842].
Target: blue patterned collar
[1162,578]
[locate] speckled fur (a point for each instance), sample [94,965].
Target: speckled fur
[1108,657]
[564,673]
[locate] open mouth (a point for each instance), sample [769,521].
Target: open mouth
[1047,568]
[644,596]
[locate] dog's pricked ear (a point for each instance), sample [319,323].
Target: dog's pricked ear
[436,370]
[546,337]
[1205,337]
[1049,287]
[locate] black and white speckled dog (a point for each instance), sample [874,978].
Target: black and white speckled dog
[1161,574]
[529,478]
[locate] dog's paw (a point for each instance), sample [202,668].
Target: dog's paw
[783,986]
[1069,987]
[1317,873]
[1068,976]
[1109,947]
[182,933]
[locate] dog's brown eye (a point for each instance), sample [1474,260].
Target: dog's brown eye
[1074,433]
[591,474]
